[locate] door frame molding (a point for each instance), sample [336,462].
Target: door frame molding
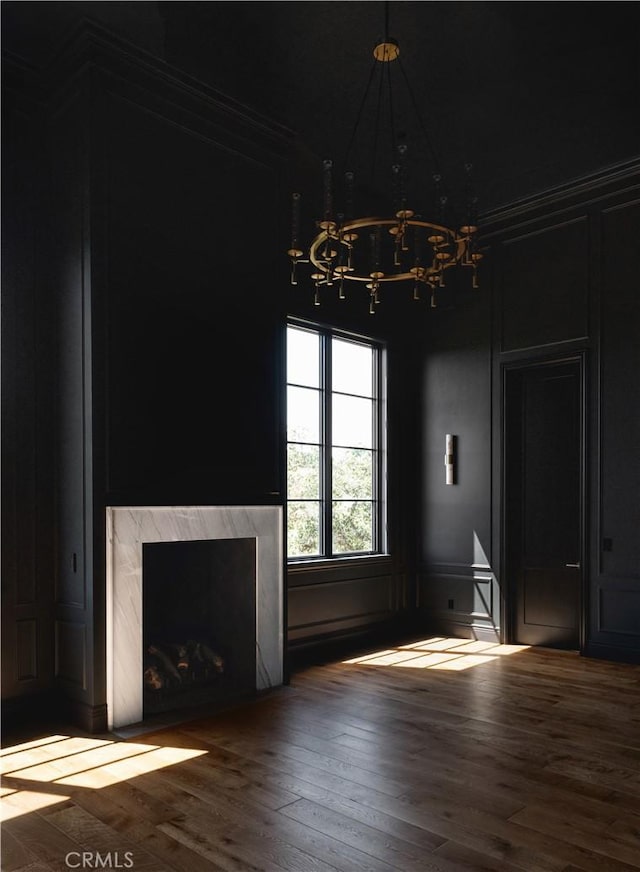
[507,585]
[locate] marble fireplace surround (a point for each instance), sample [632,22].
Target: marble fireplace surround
[128,528]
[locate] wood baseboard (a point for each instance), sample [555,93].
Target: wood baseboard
[611,652]
[91,718]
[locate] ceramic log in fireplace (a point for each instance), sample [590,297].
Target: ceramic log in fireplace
[199,634]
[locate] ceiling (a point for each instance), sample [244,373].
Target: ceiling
[533,94]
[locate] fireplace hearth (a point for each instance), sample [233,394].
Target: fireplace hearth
[208,579]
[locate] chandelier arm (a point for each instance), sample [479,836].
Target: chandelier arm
[359,115]
[326,270]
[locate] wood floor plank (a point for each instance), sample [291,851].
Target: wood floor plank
[314,760]
[223,851]
[256,753]
[36,866]
[94,836]
[398,852]
[14,855]
[626,830]
[289,844]
[576,832]
[42,839]
[524,761]
[474,860]
[139,830]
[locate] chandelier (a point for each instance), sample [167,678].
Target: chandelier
[404,246]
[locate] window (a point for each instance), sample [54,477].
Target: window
[335,444]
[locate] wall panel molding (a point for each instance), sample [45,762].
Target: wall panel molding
[469,596]
[27,649]
[331,607]
[618,608]
[71,653]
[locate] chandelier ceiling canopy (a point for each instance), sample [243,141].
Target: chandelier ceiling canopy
[403,245]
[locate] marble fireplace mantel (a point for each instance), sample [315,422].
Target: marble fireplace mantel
[128,528]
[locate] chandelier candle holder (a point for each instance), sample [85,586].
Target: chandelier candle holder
[378,251]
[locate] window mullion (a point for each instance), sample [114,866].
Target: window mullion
[327,440]
[377,471]
[380,491]
[380,452]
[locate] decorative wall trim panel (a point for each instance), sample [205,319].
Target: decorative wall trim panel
[320,609]
[71,653]
[308,573]
[27,649]
[619,610]
[467,598]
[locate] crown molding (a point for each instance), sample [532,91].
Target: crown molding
[92,47]
[600,183]
[21,78]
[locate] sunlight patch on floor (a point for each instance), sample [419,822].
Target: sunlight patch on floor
[30,755]
[438,652]
[27,801]
[429,661]
[76,762]
[35,743]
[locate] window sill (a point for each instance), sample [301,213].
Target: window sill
[305,564]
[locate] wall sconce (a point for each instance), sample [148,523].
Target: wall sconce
[449,458]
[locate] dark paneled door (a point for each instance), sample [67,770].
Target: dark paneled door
[544,493]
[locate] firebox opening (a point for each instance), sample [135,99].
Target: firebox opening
[199,622]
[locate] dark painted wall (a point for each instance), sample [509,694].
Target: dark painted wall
[456,582]
[561,278]
[27,408]
[615,592]
[193,323]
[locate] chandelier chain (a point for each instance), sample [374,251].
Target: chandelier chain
[422,125]
[377,129]
[394,142]
[359,115]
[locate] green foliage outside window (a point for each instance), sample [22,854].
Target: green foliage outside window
[351,518]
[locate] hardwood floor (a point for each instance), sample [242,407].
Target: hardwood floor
[443,755]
